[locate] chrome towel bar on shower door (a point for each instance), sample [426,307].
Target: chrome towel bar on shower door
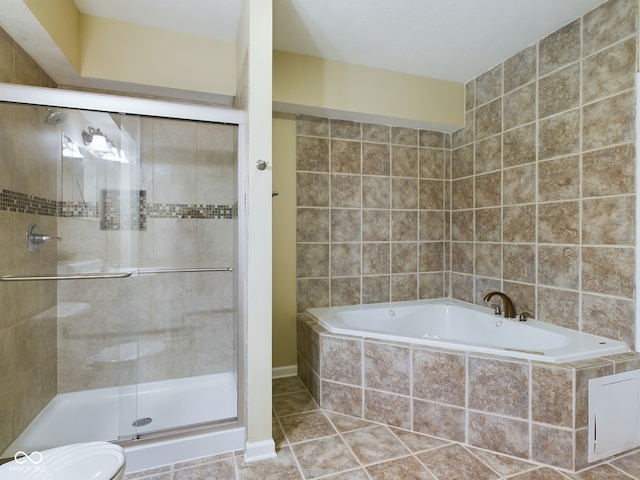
[76,276]
[150,271]
[88,276]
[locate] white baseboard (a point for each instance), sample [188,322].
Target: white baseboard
[254,451]
[283,372]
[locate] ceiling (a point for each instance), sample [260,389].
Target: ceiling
[447,39]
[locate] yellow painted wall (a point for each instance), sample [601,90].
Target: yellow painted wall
[121,51]
[284,240]
[364,93]
[61,19]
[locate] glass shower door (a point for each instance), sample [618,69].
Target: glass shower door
[99,219]
[187,258]
[134,331]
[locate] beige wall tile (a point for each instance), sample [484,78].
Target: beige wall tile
[488,431]
[439,420]
[560,307]
[428,138]
[387,408]
[608,24]
[488,190]
[519,184]
[610,171]
[499,387]
[558,222]
[488,119]
[404,136]
[387,367]
[559,91]
[488,223]
[558,266]
[608,271]
[340,398]
[488,154]
[609,122]
[432,163]
[609,71]
[552,395]
[312,126]
[553,446]
[520,107]
[372,132]
[312,154]
[559,179]
[345,291]
[345,157]
[609,221]
[520,69]
[345,129]
[560,48]
[439,377]
[345,191]
[559,135]
[489,85]
[341,359]
[462,162]
[404,161]
[376,159]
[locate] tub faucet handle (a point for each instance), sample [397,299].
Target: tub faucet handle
[496,308]
[524,316]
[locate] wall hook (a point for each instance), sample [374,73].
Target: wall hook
[261,164]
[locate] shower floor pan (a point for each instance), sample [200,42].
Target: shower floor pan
[107,413]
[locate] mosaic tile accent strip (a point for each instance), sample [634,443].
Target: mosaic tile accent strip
[78,210]
[110,218]
[179,210]
[22,203]
[134,203]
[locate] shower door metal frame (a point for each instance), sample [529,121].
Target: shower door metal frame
[21,94]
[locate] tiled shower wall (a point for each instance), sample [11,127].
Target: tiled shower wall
[543,178]
[28,159]
[539,192]
[371,213]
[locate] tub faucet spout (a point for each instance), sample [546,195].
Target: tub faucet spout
[507,304]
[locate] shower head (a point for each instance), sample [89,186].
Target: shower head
[55,117]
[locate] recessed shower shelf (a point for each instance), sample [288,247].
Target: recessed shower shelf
[88,276]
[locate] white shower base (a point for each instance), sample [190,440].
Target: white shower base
[108,413]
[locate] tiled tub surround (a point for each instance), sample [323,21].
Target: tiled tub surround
[371,213]
[543,178]
[530,410]
[535,197]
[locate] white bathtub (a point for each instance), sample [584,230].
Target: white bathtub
[462,326]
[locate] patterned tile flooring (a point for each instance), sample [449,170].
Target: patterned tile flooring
[314,443]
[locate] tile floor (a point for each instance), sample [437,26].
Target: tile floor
[314,443]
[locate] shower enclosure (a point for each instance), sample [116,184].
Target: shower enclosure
[118,288]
